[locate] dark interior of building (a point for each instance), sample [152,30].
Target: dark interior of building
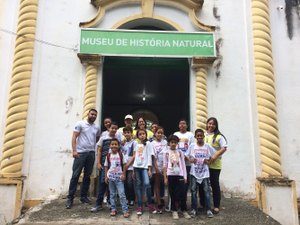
[156,88]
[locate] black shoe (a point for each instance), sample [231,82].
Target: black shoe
[85,200]
[69,204]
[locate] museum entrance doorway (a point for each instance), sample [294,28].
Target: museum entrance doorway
[155,88]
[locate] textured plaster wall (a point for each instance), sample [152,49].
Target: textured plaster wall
[287,70]
[7,203]
[229,98]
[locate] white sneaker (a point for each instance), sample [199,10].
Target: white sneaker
[175,215]
[186,215]
[193,213]
[209,214]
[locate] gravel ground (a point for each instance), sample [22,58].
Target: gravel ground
[233,212]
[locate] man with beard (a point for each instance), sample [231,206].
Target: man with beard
[84,139]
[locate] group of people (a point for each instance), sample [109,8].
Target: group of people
[135,164]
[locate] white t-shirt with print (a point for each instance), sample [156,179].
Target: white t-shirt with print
[115,170]
[199,169]
[185,140]
[143,156]
[159,148]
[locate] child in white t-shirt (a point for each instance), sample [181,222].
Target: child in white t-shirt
[115,175]
[175,177]
[142,165]
[199,155]
[159,147]
[127,150]
[186,138]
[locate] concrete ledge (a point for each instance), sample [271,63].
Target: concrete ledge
[277,197]
[11,197]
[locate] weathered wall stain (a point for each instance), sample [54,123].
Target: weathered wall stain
[215,13]
[69,104]
[66,150]
[291,5]
[218,61]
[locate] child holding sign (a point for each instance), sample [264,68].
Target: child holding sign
[199,155]
[115,176]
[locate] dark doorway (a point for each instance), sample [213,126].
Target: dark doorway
[156,85]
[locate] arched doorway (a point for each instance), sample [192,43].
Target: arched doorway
[149,116]
[159,85]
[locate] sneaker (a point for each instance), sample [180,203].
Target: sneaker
[209,214]
[152,209]
[139,211]
[160,209]
[85,200]
[96,208]
[113,212]
[186,215]
[193,213]
[131,203]
[69,203]
[175,215]
[168,207]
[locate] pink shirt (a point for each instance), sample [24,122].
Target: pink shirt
[175,164]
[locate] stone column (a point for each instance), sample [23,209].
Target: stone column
[201,65]
[11,181]
[271,184]
[92,63]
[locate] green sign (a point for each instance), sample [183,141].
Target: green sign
[146,43]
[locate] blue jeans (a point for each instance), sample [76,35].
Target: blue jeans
[85,161]
[214,175]
[206,189]
[142,180]
[117,186]
[101,188]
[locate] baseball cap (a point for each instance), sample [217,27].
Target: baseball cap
[128,117]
